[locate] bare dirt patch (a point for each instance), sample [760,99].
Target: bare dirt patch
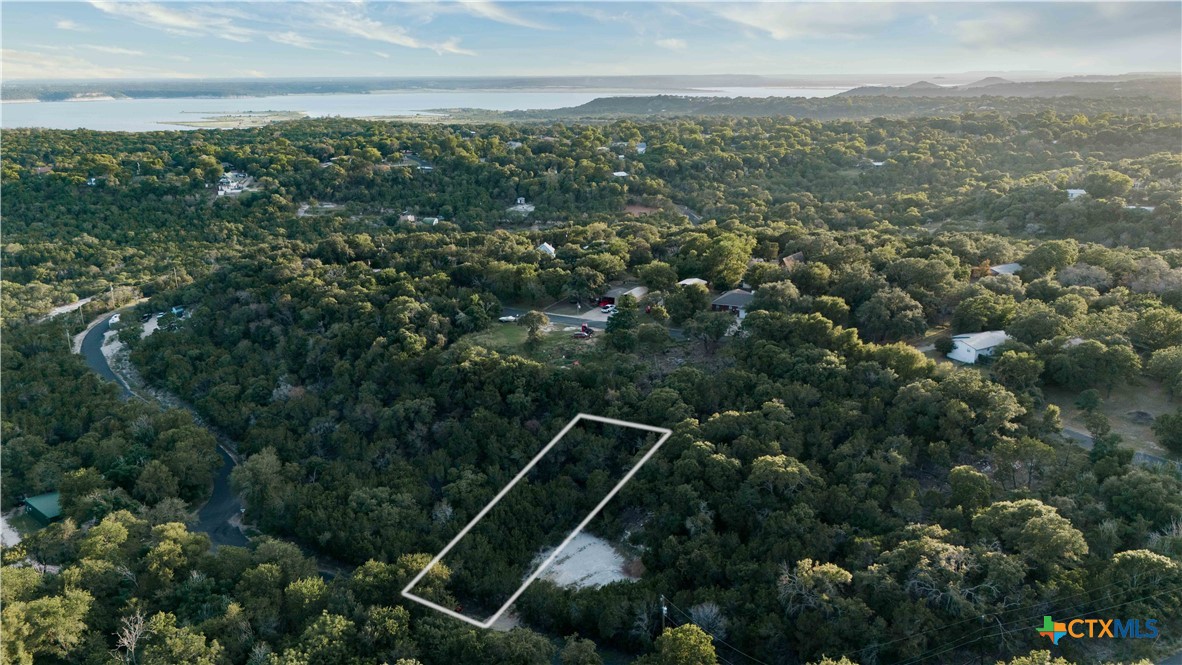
[588,561]
[1131,411]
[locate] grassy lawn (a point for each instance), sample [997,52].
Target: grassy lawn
[557,348]
[1125,409]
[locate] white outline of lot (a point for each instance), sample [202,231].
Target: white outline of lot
[665,434]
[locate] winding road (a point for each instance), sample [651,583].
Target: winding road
[215,517]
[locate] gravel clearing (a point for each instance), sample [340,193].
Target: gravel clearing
[587,561]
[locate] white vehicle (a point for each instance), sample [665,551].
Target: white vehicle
[114,319]
[512,318]
[609,309]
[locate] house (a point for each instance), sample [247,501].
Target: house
[1073,194]
[1005,269]
[431,220]
[618,292]
[692,281]
[734,301]
[620,174]
[641,148]
[513,145]
[406,217]
[546,248]
[969,347]
[792,260]
[44,508]
[521,207]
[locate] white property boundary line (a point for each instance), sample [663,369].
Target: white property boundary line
[665,434]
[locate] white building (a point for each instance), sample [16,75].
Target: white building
[620,174]
[521,207]
[969,347]
[546,248]
[1073,194]
[691,281]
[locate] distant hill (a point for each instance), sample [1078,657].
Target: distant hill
[985,82]
[1167,87]
[856,107]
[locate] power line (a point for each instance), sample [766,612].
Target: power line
[1003,626]
[719,639]
[983,616]
[707,632]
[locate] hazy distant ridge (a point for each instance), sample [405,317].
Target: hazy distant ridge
[1165,87]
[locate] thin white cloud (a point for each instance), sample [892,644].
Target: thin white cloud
[292,39]
[672,43]
[113,50]
[73,26]
[382,55]
[494,12]
[214,23]
[787,21]
[18,64]
[351,21]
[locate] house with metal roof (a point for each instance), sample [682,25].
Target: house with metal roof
[970,347]
[44,508]
[613,295]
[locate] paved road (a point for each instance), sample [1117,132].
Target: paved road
[214,517]
[223,505]
[92,353]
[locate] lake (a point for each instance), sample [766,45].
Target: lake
[138,115]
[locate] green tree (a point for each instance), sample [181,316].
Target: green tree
[533,321]
[1017,370]
[658,276]
[1107,183]
[683,645]
[890,315]
[623,325]
[1168,429]
[710,327]
[579,652]
[156,483]
[686,301]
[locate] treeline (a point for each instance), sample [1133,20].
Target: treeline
[821,475]
[151,218]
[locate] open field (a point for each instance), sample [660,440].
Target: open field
[1130,409]
[558,347]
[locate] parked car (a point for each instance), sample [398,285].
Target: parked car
[511,318]
[114,319]
[609,309]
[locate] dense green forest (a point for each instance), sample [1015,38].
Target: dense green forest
[829,490]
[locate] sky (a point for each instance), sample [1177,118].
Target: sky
[157,40]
